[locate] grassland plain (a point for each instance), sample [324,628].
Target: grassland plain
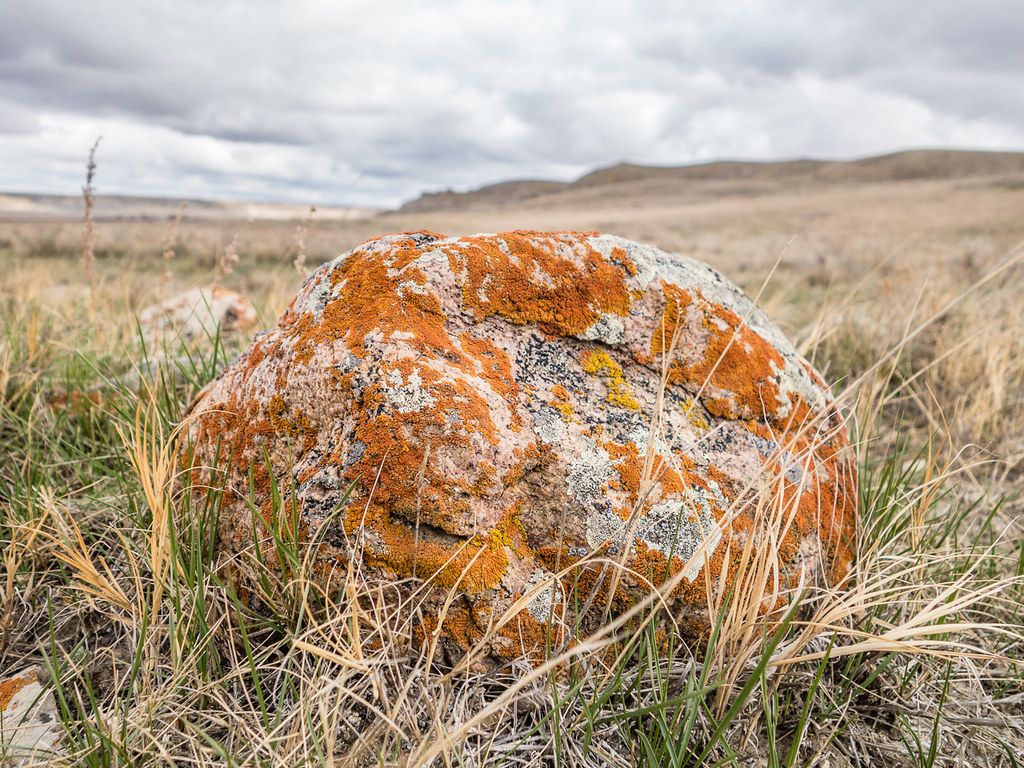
[909,295]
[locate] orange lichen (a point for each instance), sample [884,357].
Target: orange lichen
[521,635]
[494,367]
[669,480]
[619,256]
[629,466]
[561,402]
[395,462]
[475,563]
[374,305]
[555,280]
[10,687]
[632,467]
[735,358]
[281,423]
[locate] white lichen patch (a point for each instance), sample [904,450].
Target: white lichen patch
[503,247]
[646,269]
[316,295]
[433,257]
[549,427]
[609,329]
[588,474]
[411,286]
[541,585]
[686,530]
[794,380]
[683,271]
[540,277]
[407,396]
[640,433]
[481,292]
[603,525]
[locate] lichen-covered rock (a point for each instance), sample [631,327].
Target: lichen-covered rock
[29,728]
[493,397]
[196,313]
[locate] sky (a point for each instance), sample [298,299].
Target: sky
[371,103]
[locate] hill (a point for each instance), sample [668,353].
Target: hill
[624,180]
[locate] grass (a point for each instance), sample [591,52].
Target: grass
[107,577]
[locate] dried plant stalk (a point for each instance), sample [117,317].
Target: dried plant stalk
[88,224]
[169,242]
[229,258]
[299,242]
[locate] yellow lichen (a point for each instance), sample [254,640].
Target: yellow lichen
[619,393]
[695,414]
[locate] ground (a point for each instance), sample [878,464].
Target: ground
[904,293]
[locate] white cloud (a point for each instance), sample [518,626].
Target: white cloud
[372,102]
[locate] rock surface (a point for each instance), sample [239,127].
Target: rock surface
[29,729]
[492,396]
[196,313]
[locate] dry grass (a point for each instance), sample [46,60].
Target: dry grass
[916,660]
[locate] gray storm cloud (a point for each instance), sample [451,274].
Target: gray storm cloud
[373,102]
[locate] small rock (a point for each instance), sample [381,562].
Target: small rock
[196,313]
[29,727]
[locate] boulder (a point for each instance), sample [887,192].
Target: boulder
[513,413]
[196,313]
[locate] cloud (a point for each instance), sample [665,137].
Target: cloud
[372,102]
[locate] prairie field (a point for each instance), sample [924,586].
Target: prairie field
[908,295]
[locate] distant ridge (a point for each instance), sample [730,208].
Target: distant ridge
[766,176]
[139,208]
